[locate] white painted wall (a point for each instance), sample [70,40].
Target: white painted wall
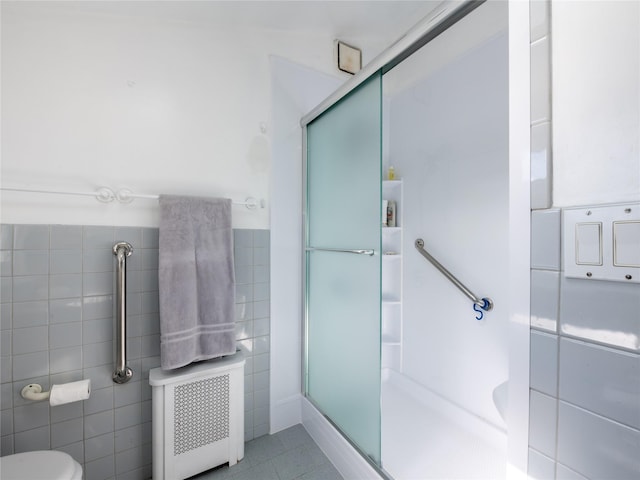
[153,105]
[596,102]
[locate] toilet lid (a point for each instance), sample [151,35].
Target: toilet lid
[44,464]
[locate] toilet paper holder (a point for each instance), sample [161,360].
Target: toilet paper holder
[59,394]
[33,391]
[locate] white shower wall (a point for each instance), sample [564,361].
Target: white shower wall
[448,143]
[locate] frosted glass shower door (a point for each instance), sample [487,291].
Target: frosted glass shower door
[343,195]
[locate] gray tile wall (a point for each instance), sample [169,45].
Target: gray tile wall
[585,379]
[57,321]
[251,250]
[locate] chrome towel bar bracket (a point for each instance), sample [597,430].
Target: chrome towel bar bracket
[122,373]
[485,303]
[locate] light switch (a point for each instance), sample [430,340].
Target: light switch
[589,243]
[602,242]
[626,244]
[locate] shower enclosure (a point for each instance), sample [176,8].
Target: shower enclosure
[408,311]
[343,236]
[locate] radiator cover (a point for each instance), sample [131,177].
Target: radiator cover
[198,417]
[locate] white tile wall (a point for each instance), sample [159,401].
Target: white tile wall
[595,446]
[540,81]
[541,167]
[602,380]
[545,239]
[583,393]
[539,19]
[541,467]
[544,363]
[542,423]
[605,312]
[565,473]
[545,299]
[589,369]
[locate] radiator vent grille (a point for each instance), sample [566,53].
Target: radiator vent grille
[201,413]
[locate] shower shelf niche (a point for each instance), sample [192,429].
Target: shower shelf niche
[392,281]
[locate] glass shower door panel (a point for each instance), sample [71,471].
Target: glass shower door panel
[344,345]
[343,289]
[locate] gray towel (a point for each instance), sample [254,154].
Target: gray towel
[196,280]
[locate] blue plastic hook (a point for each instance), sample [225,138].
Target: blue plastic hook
[476,308]
[486,306]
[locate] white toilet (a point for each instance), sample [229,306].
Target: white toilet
[40,465]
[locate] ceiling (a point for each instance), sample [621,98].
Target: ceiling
[361,18]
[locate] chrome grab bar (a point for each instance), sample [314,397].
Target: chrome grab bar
[485,303]
[122,373]
[358,252]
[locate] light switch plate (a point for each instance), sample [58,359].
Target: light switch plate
[602,242]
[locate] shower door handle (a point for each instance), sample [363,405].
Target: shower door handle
[340,250]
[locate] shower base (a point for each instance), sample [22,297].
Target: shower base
[423,437]
[426,437]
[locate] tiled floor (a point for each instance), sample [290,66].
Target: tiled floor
[287,455]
